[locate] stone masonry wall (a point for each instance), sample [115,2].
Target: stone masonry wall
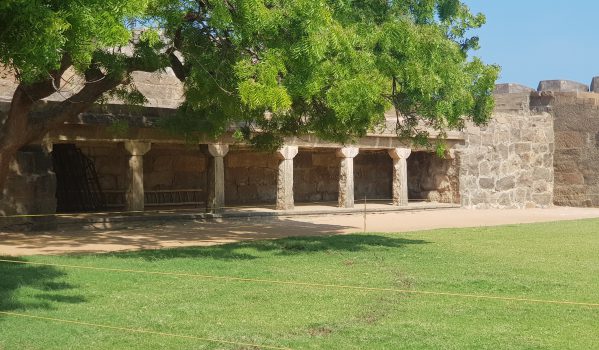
[576,148]
[509,163]
[30,189]
[250,177]
[432,178]
[316,176]
[373,175]
[166,167]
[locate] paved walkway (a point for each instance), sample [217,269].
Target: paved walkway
[151,235]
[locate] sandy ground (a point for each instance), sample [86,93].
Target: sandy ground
[151,235]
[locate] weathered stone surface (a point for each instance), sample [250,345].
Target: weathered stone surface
[373,173]
[134,195]
[216,177]
[595,84]
[576,162]
[562,86]
[518,162]
[346,176]
[511,88]
[506,183]
[30,189]
[400,175]
[486,183]
[427,173]
[285,177]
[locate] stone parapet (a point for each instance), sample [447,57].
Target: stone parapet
[562,86]
[595,85]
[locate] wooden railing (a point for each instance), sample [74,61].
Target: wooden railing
[116,198]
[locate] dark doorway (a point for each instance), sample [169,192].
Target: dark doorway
[77,186]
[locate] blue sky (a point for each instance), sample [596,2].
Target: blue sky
[534,40]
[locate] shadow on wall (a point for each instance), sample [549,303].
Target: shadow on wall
[26,287]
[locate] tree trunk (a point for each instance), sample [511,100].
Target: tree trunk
[15,132]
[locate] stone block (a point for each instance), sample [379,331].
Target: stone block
[541,173]
[562,86]
[188,180]
[523,147]
[525,179]
[542,199]
[486,183]
[511,88]
[161,163]
[595,84]
[324,160]
[157,180]
[569,178]
[570,139]
[504,200]
[190,163]
[506,183]
[540,187]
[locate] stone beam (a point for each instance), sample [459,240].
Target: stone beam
[285,177]
[216,176]
[400,175]
[134,196]
[346,176]
[70,133]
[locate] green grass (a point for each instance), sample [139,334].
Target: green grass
[553,261]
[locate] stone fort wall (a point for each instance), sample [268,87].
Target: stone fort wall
[541,148]
[509,162]
[577,148]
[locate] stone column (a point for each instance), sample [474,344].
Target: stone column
[285,178]
[216,194]
[400,175]
[346,176]
[134,197]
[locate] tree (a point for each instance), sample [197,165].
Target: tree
[41,39]
[326,67]
[275,67]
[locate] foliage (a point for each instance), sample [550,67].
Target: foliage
[328,67]
[271,67]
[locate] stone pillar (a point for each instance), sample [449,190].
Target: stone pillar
[134,197]
[400,175]
[216,190]
[285,178]
[346,176]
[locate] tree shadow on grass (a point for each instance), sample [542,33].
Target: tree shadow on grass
[282,246]
[44,280]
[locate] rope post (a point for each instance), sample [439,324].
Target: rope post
[364,214]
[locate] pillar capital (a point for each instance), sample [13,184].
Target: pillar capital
[400,153]
[218,149]
[137,148]
[287,152]
[348,152]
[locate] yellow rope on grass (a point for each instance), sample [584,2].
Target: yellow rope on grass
[309,284]
[144,331]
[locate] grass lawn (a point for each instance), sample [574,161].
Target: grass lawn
[553,261]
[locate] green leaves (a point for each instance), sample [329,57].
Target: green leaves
[36,34]
[327,67]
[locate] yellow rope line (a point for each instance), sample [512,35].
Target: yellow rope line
[145,331]
[197,210]
[309,284]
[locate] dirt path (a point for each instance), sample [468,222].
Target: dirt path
[153,236]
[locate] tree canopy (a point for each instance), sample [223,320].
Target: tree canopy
[274,67]
[327,67]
